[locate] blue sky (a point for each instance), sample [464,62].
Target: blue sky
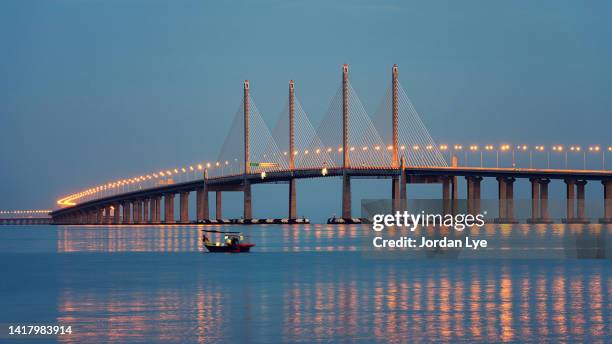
[94,90]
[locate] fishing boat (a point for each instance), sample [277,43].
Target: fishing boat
[234,242]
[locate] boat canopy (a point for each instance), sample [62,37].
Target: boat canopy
[217,231]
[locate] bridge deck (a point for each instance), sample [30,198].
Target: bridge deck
[235,182]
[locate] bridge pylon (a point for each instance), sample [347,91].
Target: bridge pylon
[395,181]
[248,209]
[292,190]
[346,179]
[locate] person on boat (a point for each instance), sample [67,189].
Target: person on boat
[205,239]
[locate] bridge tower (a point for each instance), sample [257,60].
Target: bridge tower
[247,167]
[292,190]
[346,179]
[395,181]
[248,212]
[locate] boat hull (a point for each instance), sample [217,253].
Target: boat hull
[240,248]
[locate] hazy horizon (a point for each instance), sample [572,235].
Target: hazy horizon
[92,91]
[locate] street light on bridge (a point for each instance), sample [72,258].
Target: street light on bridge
[474,148]
[502,148]
[458,148]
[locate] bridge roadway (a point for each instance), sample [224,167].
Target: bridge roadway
[144,206]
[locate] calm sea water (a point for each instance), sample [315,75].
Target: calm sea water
[304,283]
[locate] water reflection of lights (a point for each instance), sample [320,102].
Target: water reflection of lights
[139,316]
[499,304]
[158,238]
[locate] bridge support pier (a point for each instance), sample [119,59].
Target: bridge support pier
[580,200]
[535,199]
[292,200]
[202,212]
[506,200]
[99,216]
[574,196]
[218,205]
[248,205]
[156,209]
[544,213]
[539,201]
[570,187]
[346,196]
[473,194]
[145,210]
[607,185]
[117,214]
[108,219]
[127,210]
[169,208]
[395,194]
[184,207]
[446,190]
[141,204]
[454,187]
[402,187]
[137,211]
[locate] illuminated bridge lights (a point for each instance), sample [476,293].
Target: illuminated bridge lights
[26,212]
[225,167]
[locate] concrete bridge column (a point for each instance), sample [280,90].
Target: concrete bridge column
[607,185]
[580,200]
[138,218]
[138,213]
[402,186]
[292,200]
[446,205]
[570,200]
[145,211]
[108,219]
[117,214]
[248,206]
[535,199]
[346,196]
[93,216]
[99,216]
[135,210]
[203,212]
[151,218]
[506,200]
[510,199]
[127,212]
[156,209]
[501,191]
[454,186]
[169,208]
[544,213]
[218,205]
[395,194]
[184,207]
[473,193]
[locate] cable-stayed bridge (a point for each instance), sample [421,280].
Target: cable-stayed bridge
[349,143]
